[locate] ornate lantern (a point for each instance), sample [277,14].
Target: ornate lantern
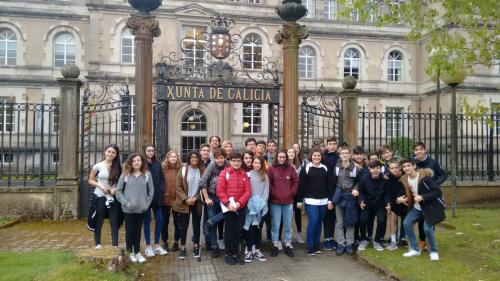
[220,39]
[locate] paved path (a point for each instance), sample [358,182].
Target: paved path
[34,236]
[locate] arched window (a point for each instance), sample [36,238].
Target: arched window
[307,63]
[395,66]
[330,9]
[8,47]
[252,51]
[351,63]
[127,47]
[193,130]
[64,49]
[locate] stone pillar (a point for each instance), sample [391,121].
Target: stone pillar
[290,37]
[145,27]
[349,105]
[66,190]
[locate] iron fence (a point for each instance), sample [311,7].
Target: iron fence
[478,140]
[29,135]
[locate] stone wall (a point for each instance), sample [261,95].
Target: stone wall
[27,202]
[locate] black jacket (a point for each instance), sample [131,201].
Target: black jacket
[158,182]
[394,187]
[315,182]
[373,192]
[439,176]
[330,159]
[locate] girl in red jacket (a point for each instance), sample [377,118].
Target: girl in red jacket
[233,190]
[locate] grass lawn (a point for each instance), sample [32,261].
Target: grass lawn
[470,252]
[55,265]
[4,220]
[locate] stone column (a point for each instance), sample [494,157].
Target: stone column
[144,27]
[290,37]
[349,105]
[66,190]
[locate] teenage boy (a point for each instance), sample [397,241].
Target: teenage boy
[396,189]
[423,160]
[424,199]
[374,202]
[386,155]
[205,154]
[260,150]
[250,144]
[272,147]
[345,200]
[330,159]
[359,158]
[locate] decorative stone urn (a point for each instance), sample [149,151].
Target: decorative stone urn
[349,82]
[291,10]
[70,71]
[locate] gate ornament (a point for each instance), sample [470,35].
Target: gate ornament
[220,39]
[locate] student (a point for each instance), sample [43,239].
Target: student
[395,189]
[315,192]
[386,156]
[359,157]
[330,159]
[283,182]
[346,175]
[227,148]
[171,166]
[374,202]
[375,156]
[214,142]
[104,176]
[205,154]
[247,161]
[233,190]
[187,201]
[424,199]
[272,147]
[261,148]
[256,209]
[250,144]
[156,172]
[295,161]
[135,192]
[208,184]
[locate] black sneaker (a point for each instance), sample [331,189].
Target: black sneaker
[175,247]
[349,250]
[340,250]
[182,254]
[165,247]
[402,243]
[215,253]
[289,252]
[229,260]
[208,247]
[239,259]
[310,252]
[196,252]
[274,251]
[317,250]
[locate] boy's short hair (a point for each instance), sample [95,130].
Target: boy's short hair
[385,147]
[250,140]
[395,161]
[219,152]
[237,155]
[272,141]
[204,145]
[373,153]
[344,147]
[374,164]
[358,150]
[331,139]
[408,160]
[261,142]
[417,144]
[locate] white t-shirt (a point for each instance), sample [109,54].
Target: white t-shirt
[413,183]
[102,177]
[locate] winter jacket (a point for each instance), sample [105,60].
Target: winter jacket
[433,204]
[330,160]
[315,183]
[233,183]
[349,203]
[170,175]
[158,181]
[135,193]
[182,189]
[347,178]
[394,187]
[373,192]
[209,179]
[439,176]
[283,184]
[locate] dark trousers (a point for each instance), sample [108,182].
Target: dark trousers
[253,236]
[220,226]
[195,222]
[421,232]
[214,217]
[133,225]
[298,217]
[368,214]
[233,231]
[113,213]
[329,224]
[166,210]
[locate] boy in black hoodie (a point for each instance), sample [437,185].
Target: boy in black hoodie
[373,199]
[330,158]
[396,189]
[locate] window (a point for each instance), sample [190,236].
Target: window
[394,66]
[64,49]
[252,118]
[193,130]
[395,7]
[394,121]
[8,47]
[127,47]
[307,63]
[7,158]
[311,8]
[254,1]
[330,9]
[354,15]
[7,114]
[54,158]
[252,51]
[373,8]
[55,114]
[127,114]
[351,63]
[193,45]
[190,143]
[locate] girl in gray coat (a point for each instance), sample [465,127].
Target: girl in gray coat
[135,193]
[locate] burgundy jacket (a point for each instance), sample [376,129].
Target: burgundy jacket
[283,184]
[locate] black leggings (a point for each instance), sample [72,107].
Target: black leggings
[196,220]
[329,224]
[113,212]
[253,236]
[133,225]
[298,217]
[166,210]
[233,231]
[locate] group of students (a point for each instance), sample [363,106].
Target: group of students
[230,195]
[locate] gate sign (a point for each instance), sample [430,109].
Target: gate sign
[224,93]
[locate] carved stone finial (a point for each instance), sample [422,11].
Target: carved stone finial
[70,70]
[349,82]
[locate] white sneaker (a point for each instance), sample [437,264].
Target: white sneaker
[149,252]
[299,238]
[279,245]
[160,251]
[411,253]
[221,244]
[377,246]
[98,247]
[434,256]
[132,258]
[140,258]
[362,245]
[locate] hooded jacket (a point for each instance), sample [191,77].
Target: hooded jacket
[233,183]
[439,175]
[283,183]
[209,179]
[170,176]
[181,191]
[373,192]
[158,181]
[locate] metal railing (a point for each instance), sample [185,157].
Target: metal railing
[478,140]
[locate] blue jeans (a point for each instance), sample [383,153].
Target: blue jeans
[215,215]
[158,225]
[315,216]
[411,218]
[279,212]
